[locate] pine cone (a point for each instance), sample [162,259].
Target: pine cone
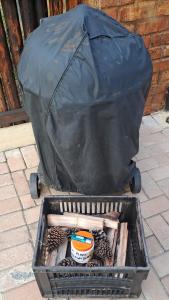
[56,237]
[67,262]
[99,235]
[103,250]
[93,263]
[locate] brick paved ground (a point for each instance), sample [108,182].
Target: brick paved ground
[19,214]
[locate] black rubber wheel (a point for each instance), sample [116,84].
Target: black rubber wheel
[135,183]
[34,186]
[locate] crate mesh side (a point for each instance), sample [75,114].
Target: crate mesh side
[92,292]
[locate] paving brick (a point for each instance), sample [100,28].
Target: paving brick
[15,160]
[147,164]
[161,264]
[10,221]
[5,179]
[164,186]
[30,156]
[165,131]
[7,192]
[165,282]
[32,214]
[149,186]
[160,229]
[155,161]
[159,173]
[152,139]
[13,237]
[9,205]
[162,160]
[29,171]
[27,291]
[166,216]
[164,147]
[142,154]
[154,247]
[155,150]
[154,206]
[142,196]
[160,116]
[15,277]
[2,157]
[152,288]
[14,256]
[27,201]
[33,230]
[150,124]
[147,231]
[3,168]
[20,182]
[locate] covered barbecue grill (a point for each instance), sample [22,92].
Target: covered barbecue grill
[85,79]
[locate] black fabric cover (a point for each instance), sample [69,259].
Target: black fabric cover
[85,79]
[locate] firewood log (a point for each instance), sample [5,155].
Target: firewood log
[51,258]
[83,219]
[75,220]
[62,249]
[122,249]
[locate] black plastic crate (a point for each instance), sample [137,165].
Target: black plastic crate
[117,282]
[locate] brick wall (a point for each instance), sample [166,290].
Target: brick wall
[151,20]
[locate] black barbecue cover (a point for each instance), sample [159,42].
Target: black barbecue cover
[85,80]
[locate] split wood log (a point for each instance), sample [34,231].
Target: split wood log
[51,258]
[113,215]
[110,236]
[114,247]
[111,224]
[75,220]
[62,249]
[93,219]
[122,249]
